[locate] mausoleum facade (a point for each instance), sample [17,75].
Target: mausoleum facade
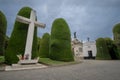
[89,50]
[77,48]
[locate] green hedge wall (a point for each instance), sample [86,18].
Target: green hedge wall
[3,26]
[116,33]
[18,37]
[60,42]
[102,49]
[44,46]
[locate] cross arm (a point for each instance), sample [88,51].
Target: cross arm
[39,24]
[22,19]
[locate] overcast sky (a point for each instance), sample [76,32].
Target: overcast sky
[89,18]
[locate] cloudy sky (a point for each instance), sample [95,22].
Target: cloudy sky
[89,18]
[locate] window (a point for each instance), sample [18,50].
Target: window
[89,46]
[80,49]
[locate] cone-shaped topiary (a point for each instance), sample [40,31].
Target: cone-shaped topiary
[17,42]
[102,50]
[60,42]
[3,26]
[116,33]
[44,46]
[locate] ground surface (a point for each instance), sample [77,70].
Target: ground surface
[88,70]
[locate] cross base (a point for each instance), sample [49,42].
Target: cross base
[24,67]
[28,61]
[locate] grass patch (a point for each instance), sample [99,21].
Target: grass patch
[51,62]
[2,59]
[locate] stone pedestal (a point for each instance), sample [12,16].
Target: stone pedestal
[24,67]
[28,61]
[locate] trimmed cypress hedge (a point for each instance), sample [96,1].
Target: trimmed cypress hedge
[116,33]
[60,42]
[116,28]
[102,49]
[44,46]
[3,26]
[6,42]
[38,45]
[112,48]
[17,42]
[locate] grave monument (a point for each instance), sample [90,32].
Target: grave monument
[22,46]
[32,23]
[23,42]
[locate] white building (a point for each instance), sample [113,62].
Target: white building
[89,50]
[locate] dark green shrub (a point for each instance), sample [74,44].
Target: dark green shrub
[102,49]
[3,26]
[44,46]
[38,44]
[60,42]
[116,33]
[17,42]
[116,28]
[6,42]
[112,48]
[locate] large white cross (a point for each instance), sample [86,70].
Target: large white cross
[32,23]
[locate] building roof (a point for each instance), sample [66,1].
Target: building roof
[76,41]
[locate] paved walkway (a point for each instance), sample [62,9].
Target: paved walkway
[88,70]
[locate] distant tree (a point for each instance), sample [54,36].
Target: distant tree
[102,49]
[116,33]
[44,46]
[17,42]
[60,41]
[3,27]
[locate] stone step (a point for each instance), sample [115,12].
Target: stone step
[23,67]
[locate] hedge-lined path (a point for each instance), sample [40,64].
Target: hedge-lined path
[88,70]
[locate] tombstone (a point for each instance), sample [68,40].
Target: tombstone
[28,48]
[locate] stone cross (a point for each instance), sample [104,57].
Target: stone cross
[32,23]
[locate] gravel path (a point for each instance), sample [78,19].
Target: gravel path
[88,70]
